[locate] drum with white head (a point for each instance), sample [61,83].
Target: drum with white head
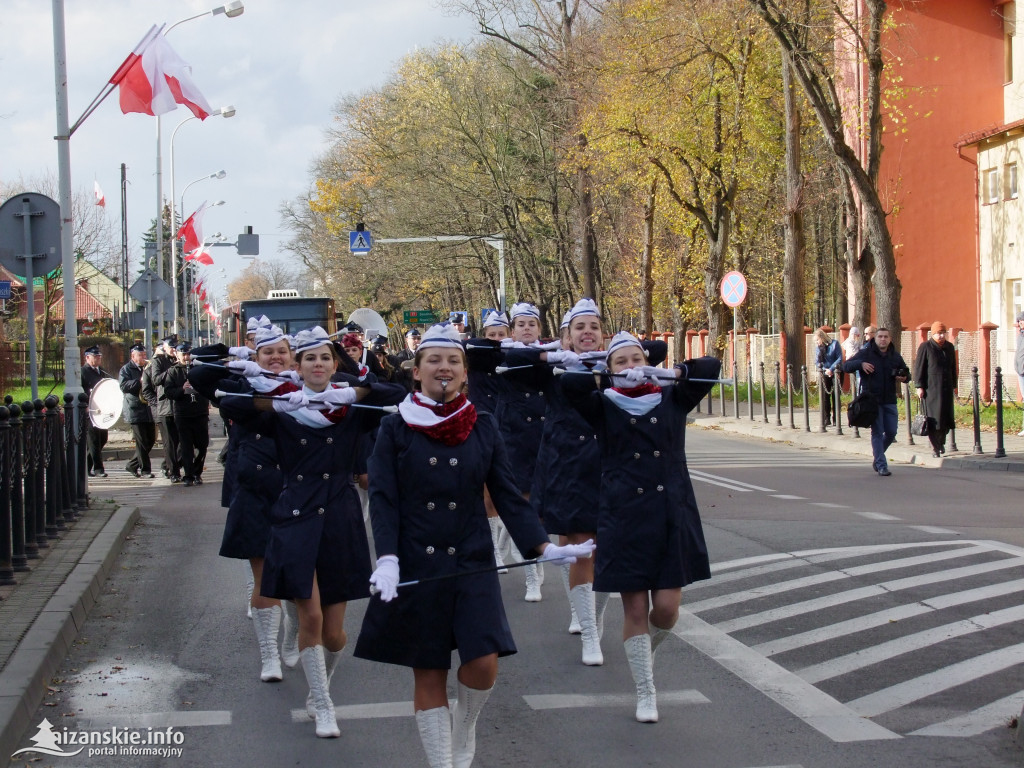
[105,403]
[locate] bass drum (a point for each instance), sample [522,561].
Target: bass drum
[373,324]
[105,404]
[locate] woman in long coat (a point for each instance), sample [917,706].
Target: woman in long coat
[427,474]
[650,538]
[317,553]
[935,374]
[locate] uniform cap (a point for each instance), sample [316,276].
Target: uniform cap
[524,309]
[622,339]
[584,307]
[496,319]
[444,335]
[267,336]
[311,338]
[94,350]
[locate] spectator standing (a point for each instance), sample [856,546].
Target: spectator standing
[935,373]
[854,342]
[882,369]
[92,373]
[869,334]
[137,412]
[828,360]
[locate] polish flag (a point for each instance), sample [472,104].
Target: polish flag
[100,199]
[201,255]
[192,230]
[154,79]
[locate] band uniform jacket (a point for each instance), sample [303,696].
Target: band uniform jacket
[649,527]
[185,405]
[153,380]
[317,521]
[426,504]
[129,378]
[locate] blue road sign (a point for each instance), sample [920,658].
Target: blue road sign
[360,241]
[5,289]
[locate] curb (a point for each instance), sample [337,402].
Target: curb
[43,648]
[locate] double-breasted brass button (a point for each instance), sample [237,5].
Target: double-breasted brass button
[657,454]
[529,418]
[430,550]
[527,394]
[542,418]
[583,438]
[296,513]
[454,462]
[636,455]
[451,505]
[259,436]
[299,478]
[451,550]
[327,476]
[430,506]
[320,510]
[654,419]
[330,441]
[432,460]
[661,487]
[259,467]
[632,421]
[639,491]
[302,441]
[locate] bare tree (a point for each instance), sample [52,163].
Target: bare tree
[261,277]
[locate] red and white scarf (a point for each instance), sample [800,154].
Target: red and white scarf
[635,400]
[449,423]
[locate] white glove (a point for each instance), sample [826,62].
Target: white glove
[595,355]
[659,374]
[242,353]
[512,344]
[291,402]
[336,396]
[289,375]
[247,368]
[385,578]
[564,356]
[633,376]
[568,553]
[551,346]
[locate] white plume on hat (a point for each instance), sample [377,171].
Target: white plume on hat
[256,323]
[583,307]
[622,339]
[496,319]
[267,336]
[311,338]
[523,309]
[443,335]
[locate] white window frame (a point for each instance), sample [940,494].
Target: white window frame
[1010,179]
[990,186]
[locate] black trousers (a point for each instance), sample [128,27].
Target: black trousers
[194,438]
[144,434]
[94,449]
[171,464]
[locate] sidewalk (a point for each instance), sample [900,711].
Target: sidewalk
[901,452]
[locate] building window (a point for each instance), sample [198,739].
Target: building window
[1011,181]
[1008,59]
[990,193]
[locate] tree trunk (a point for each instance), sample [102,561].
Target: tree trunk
[795,242]
[859,263]
[646,264]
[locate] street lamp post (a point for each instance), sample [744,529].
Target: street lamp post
[228,111]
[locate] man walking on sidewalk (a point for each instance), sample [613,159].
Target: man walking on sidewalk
[882,370]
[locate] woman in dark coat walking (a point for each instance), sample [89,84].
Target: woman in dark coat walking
[427,475]
[650,538]
[935,374]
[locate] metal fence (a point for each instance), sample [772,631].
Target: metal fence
[43,486]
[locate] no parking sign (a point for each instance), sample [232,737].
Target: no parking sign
[734,289]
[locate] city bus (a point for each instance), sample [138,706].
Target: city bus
[292,313]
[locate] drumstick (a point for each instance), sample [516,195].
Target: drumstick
[268,374]
[668,376]
[489,569]
[312,402]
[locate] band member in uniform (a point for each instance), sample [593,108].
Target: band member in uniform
[137,413]
[91,375]
[651,543]
[318,554]
[191,416]
[412,342]
[427,476]
[153,378]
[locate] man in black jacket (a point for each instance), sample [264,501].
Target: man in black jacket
[164,358]
[137,412]
[191,415]
[882,371]
[92,373]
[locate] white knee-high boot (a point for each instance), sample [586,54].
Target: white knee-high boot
[533,594]
[495,524]
[641,664]
[316,675]
[331,659]
[467,708]
[266,621]
[435,727]
[250,585]
[574,621]
[600,603]
[290,642]
[583,601]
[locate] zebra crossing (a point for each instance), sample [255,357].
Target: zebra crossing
[872,642]
[122,488]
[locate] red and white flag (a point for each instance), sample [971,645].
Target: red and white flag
[192,230]
[154,79]
[100,199]
[201,255]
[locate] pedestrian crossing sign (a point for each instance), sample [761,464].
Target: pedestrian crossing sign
[360,241]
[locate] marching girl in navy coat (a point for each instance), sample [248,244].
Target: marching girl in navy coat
[427,476]
[651,543]
[317,553]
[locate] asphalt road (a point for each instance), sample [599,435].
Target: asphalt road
[852,621]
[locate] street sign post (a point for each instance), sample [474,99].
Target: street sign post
[5,289]
[734,293]
[360,241]
[30,246]
[150,289]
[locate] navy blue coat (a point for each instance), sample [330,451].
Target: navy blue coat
[649,534]
[426,504]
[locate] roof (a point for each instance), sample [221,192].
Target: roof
[85,303]
[976,137]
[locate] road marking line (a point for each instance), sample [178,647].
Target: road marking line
[363,711]
[730,486]
[881,618]
[933,529]
[814,707]
[157,720]
[861,593]
[994,715]
[829,576]
[788,497]
[580,700]
[730,480]
[875,515]
[900,695]
[916,641]
[869,549]
[828,505]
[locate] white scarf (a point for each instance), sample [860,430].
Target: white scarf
[265,384]
[316,418]
[416,415]
[637,406]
